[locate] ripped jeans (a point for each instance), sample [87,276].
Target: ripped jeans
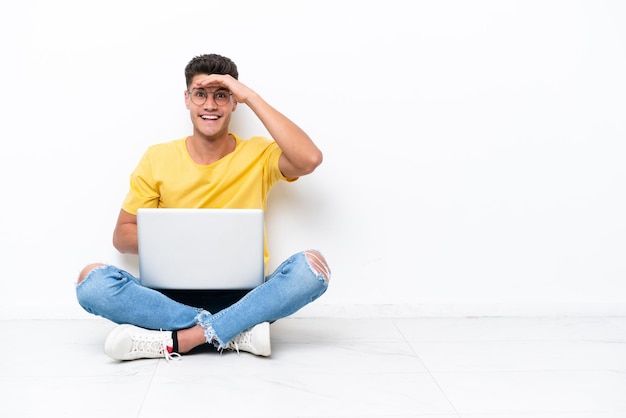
[115,294]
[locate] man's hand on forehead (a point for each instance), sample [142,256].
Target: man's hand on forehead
[213,80]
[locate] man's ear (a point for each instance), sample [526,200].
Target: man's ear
[187,99]
[234,104]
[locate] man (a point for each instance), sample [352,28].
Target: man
[212,168]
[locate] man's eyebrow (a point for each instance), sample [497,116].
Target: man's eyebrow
[210,91]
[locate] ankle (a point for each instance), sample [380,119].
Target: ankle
[190,338]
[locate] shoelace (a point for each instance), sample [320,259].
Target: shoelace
[150,345]
[245,338]
[170,356]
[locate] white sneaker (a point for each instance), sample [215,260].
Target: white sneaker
[128,342]
[255,340]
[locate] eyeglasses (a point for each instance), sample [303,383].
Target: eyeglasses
[200,96]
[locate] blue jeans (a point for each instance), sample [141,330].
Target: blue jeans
[115,294]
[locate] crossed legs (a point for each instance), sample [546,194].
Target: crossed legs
[116,295]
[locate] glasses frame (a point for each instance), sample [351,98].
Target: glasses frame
[217,101]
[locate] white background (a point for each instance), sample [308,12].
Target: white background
[474,150]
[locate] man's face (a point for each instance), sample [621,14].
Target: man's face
[210,108]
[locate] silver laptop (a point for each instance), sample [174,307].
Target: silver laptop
[200,248]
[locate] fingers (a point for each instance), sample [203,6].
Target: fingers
[215,80]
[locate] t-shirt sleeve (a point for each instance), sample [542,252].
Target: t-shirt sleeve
[143,191]
[274,156]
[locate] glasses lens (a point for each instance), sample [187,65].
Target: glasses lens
[199,96]
[221,97]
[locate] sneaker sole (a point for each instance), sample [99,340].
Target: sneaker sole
[109,343]
[266,340]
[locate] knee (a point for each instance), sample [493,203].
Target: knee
[318,263]
[88,269]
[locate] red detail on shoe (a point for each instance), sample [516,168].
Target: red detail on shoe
[170,349]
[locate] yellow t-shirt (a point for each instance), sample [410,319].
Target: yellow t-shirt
[167,177]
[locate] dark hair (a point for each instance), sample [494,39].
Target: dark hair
[210,64]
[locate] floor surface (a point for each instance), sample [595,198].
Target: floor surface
[325,367]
